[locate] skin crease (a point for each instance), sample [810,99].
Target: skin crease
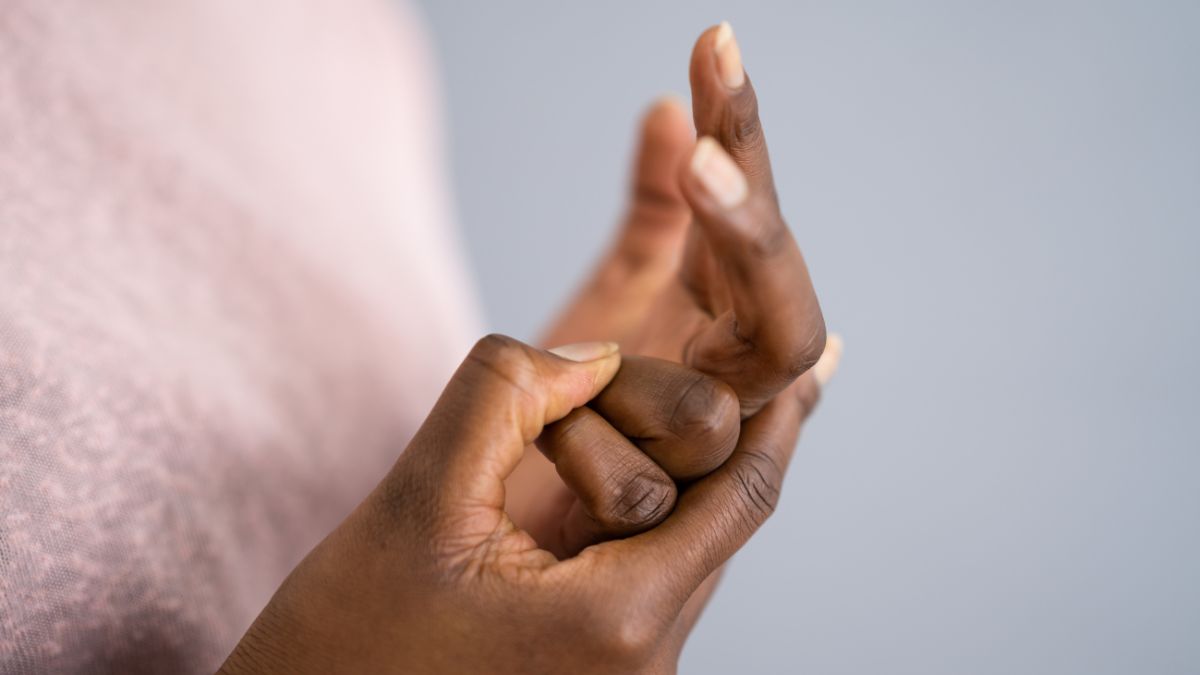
[476,554]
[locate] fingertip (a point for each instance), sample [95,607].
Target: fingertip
[706,42]
[725,105]
[668,107]
[666,126]
[729,57]
[658,214]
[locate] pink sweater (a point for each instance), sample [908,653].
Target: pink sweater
[228,293]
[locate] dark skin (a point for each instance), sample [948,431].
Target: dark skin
[430,575]
[723,290]
[663,467]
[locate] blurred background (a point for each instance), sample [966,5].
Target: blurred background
[1000,205]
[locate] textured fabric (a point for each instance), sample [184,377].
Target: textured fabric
[227,296]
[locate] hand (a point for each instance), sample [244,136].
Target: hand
[429,575]
[729,296]
[619,457]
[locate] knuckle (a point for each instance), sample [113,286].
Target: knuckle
[657,196]
[621,617]
[809,349]
[506,358]
[800,353]
[758,478]
[742,124]
[708,415]
[708,418]
[626,637]
[747,129]
[495,347]
[638,501]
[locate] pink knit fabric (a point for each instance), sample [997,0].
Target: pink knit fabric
[227,296]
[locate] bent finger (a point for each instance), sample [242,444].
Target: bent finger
[686,421]
[620,490]
[774,330]
[715,516]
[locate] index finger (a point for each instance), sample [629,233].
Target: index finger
[775,330]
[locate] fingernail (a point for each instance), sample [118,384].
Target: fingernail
[585,351]
[718,173]
[729,57]
[827,365]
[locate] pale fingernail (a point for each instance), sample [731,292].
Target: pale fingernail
[827,365]
[718,173]
[585,351]
[729,57]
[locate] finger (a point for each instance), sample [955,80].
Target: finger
[496,403]
[686,421]
[702,277]
[658,214]
[725,107]
[646,253]
[620,490]
[774,331]
[717,515]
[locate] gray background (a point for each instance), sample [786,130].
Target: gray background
[1000,203]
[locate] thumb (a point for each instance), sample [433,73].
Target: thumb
[495,404]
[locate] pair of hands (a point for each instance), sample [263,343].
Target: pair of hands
[476,554]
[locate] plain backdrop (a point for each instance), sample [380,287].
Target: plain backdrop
[1000,205]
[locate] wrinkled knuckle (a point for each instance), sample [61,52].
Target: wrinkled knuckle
[708,415]
[800,353]
[759,479]
[743,126]
[640,501]
[748,130]
[809,349]
[814,346]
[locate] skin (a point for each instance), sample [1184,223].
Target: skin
[571,512]
[725,291]
[430,575]
[730,295]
